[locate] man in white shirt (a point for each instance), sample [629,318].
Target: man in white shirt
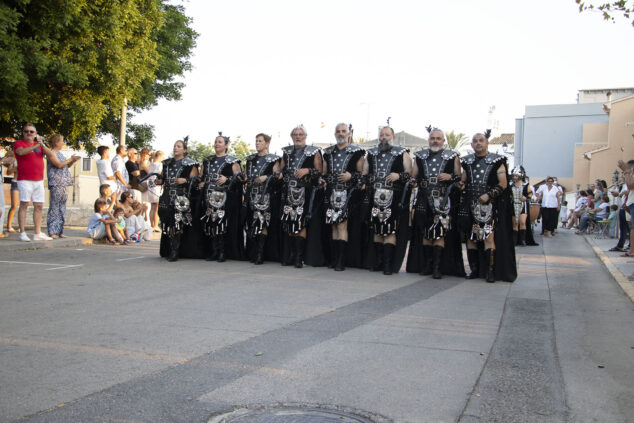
[120,171]
[104,171]
[550,197]
[624,228]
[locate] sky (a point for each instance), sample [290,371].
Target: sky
[267,66]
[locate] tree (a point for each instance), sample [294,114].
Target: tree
[609,9]
[454,139]
[68,65]
[175,41]
[240,149]
[198,151]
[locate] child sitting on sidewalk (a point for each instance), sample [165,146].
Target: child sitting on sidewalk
[120,225]
[101,224]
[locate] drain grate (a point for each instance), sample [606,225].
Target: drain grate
[288,415]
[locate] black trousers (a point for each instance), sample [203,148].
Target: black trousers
[624,229]
[549,218]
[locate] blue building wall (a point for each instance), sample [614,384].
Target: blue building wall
[546,136]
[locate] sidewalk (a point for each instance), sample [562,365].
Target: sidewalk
[620,267]
[76,236]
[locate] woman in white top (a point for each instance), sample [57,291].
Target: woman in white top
[550,197]
[155,191]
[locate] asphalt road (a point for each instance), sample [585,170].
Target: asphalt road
[115,334]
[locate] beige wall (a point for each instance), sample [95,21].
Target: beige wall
[620,141]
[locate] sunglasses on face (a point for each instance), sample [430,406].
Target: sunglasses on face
[28,132]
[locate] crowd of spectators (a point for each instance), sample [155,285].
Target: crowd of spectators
[122,201]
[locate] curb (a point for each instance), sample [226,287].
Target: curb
[619,277]
[38,245]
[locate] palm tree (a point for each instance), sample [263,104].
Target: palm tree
[454,139]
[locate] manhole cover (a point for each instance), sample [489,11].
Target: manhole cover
[288,415]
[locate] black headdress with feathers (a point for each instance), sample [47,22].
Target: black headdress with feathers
[223,137]
[487,134]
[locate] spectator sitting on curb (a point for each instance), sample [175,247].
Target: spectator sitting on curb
[101,224]
[105,194]
[106,175]
[120,225]
[594,215]
[580,209]
[133,212]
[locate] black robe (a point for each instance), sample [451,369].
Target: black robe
[400,209]
[505,266]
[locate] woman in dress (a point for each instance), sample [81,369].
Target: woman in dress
[154,191]
[144,167]
[58,174]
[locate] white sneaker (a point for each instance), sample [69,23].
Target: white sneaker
[41,237]
[24,237]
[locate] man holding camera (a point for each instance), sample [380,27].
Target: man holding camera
[29,153]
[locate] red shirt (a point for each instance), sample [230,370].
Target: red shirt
[31,165]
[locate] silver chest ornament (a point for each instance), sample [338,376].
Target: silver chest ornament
[338,200]
[216,201]
[382,201]
[483,217]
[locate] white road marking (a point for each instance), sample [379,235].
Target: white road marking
[131,258]
[59,265]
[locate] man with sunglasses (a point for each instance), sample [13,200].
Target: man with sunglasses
[29,153]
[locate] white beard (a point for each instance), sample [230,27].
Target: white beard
[435,149]
[341,141]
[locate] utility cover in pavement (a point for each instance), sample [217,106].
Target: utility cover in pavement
[288,415]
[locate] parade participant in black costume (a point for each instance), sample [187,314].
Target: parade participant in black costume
[487,211]
[221,199]
[302,168]
[261,201]
[437,170]
[388,169]
[522,193]
[343,166]
[178,175]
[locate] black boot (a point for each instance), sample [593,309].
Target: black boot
[175,243]
[388,253]
[516,239]
[436,262]
[334,253]
[211,256]
[220,248]
[522,240]
[489,257]
[474,263]
[259,255]
[427,260]
[300,243]
[378,256]
[340,265]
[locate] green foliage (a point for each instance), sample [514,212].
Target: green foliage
[67,65]
[240,149]
[198,151]
[610,9]
[453,139]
